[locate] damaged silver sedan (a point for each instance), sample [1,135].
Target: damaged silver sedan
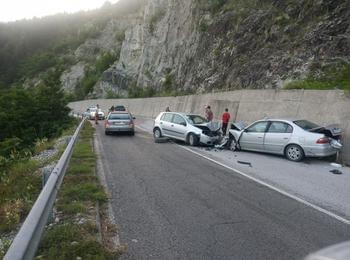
[193,129]
[295,139]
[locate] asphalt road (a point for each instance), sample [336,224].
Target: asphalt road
[172,204]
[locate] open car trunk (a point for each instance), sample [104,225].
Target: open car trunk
[332,131]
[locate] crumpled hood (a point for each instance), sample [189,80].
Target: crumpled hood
[212,126]
[238,126]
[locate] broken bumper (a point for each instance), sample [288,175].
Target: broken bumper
[209,140]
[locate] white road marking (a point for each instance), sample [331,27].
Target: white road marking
[318,208]
[142,128]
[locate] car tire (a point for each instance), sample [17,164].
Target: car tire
[192,139]
[294,153]
[232,144]
[157,133]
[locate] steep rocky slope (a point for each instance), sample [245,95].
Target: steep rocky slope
[179,46]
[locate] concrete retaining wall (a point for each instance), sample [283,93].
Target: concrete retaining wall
[319,106]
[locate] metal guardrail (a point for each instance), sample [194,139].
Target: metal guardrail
[27,240]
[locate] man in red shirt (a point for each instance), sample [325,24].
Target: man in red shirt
[225,119]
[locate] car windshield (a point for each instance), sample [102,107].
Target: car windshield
[118,117]
[196,119]
[306,125]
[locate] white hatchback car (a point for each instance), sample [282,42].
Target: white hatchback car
[193,129]
[293,138]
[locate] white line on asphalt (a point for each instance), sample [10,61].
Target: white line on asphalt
[142,128]
[318,208]
[327,212]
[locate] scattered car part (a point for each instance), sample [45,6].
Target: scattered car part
[336,165]
[246,163]
[335,171]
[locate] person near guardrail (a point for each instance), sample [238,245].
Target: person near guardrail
[225,119]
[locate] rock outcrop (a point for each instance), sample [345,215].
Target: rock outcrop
[197,46]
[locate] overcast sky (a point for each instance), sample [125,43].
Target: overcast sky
[11,10]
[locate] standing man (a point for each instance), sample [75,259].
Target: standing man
[209,114]
[225,119]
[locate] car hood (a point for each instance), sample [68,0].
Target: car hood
[212,126]
[238,126]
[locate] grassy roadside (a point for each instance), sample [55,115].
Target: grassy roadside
[20,185]
[75,233]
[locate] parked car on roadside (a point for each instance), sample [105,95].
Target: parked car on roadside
[193,129]
[88,111]
[119,121]
[295,139]
[92,113]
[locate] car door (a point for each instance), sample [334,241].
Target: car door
[252,137]
[165,124]
[179,127]
[277,137]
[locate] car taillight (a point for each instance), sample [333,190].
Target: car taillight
[323,140]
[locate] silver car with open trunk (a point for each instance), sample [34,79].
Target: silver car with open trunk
[293,138]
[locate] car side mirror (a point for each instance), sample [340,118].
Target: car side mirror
[183,123]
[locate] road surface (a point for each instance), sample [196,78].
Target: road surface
[171,204]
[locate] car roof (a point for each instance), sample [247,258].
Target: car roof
[181,113]
[280,119]
[119,112]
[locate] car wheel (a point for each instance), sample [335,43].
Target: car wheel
[294,153]
[157,133]
[192,139]
[232,144]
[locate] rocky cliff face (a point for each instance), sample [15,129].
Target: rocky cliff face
[202,46]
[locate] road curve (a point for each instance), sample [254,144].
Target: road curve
[172,204]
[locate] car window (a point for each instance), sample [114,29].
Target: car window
[196,119]
[166,117]
[177,119]
[280,127]
[119,117]
[259,127]
[306,125]
[119,108]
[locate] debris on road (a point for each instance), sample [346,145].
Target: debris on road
[223,143]
[335,171]
[246,163]
[336,165]
[161,140]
